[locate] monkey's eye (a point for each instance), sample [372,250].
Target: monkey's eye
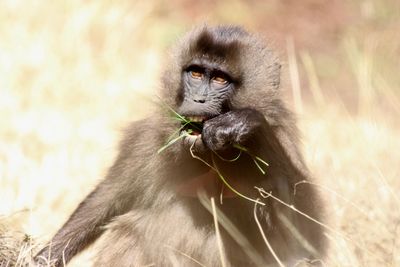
[220,80]
[196,74]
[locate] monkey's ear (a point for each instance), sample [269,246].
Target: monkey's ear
[274,73]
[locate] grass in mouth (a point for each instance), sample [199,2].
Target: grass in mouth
[189,128]
[195,128]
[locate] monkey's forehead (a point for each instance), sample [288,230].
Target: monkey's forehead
[220,44]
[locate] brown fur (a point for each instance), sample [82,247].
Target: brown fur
[147,222]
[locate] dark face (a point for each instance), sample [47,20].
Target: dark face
[206,93]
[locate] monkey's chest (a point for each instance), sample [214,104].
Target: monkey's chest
[209,182]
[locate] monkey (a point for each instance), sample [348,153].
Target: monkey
[197,200]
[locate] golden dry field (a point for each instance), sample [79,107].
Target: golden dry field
[73,74]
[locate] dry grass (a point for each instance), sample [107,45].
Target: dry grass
[73,74]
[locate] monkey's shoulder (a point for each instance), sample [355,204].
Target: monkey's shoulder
[143,136]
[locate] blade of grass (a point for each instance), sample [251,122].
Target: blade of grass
[228,160]
[265,237]
[218,234]
[214,168]
[233,231]
[178,116]
[254,157]
[170,143]
[185,255]
[172,110]
[259,167]
[344,236]
[229,186]
[176,132]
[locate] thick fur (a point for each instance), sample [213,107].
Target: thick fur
[137,205]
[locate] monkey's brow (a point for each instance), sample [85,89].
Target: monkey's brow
[209,65]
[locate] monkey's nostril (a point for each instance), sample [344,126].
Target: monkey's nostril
[202,101]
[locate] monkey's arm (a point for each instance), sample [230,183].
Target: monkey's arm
[250,128]
[86,223]
[112,197]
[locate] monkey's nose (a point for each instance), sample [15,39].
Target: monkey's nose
[199,98]
[202,100]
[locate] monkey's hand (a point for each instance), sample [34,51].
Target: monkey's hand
[234,127]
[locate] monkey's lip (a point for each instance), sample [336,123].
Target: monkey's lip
[192,128]
[193,125]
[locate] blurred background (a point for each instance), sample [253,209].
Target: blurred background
[74,73]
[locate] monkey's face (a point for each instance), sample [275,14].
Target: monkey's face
[207,88]
[217,71]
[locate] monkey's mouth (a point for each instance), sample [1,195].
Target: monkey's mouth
[192,127]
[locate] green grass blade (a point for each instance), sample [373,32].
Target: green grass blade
[170,143]
[228,160]
[255,158]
